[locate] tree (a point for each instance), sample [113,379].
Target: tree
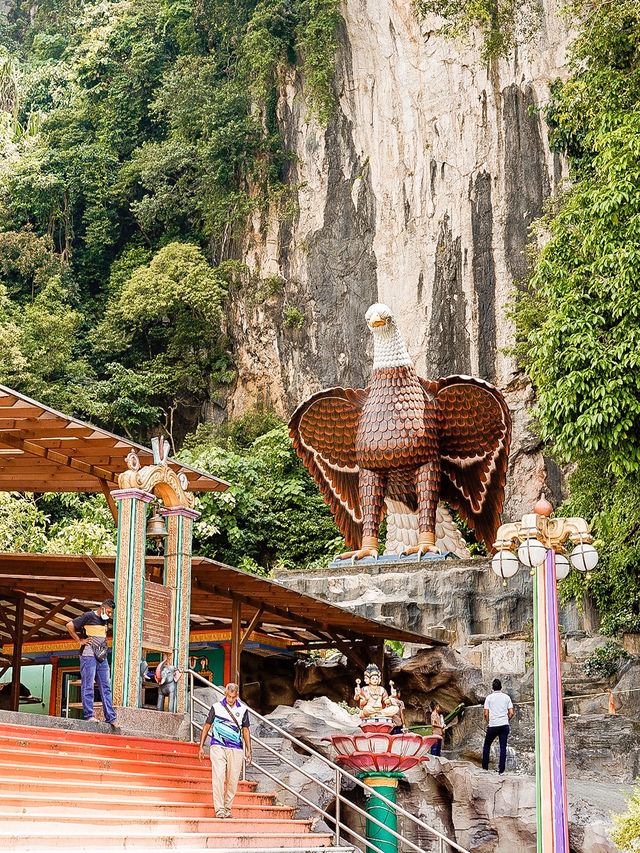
[578,317]
[272,514]
[162,337]
[127,128]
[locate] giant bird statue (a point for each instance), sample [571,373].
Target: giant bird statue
[402,445]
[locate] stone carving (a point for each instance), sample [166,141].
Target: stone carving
[506,657]
[132,460]
[167,677]
[159,478]
[407,441]
[373,699]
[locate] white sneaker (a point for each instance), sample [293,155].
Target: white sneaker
[221,813]
[227,812]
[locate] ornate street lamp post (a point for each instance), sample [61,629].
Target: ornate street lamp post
[540,542]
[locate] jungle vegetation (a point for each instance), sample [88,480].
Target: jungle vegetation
[578,318]
[136,139]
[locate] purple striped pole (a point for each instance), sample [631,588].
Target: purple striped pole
[551,788]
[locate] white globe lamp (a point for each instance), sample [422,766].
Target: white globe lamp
[584,557]
[504,564]
[532,553]
[563,566]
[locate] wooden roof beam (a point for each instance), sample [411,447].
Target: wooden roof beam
[59,458]
[292,618]
[48,615]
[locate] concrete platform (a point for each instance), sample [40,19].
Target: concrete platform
[135,722]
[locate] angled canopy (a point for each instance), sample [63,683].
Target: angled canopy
[42,450]
[59,587]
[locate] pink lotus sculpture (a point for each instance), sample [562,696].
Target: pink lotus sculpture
[382,753]
[376,726]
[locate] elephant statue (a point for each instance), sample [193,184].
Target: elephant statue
[167,677]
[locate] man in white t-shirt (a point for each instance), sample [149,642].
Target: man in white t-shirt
[498,710]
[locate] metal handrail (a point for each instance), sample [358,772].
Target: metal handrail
[339,774]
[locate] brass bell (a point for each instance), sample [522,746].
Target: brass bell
[156,527]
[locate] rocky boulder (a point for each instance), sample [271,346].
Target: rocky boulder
[463,596]
[491,813]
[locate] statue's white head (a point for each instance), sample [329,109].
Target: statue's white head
[389,349]
[379,316]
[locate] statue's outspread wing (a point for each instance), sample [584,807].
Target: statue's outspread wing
[323,429]
[475,434]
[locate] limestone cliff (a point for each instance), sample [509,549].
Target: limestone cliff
[419,194]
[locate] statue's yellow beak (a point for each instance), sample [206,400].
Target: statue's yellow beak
[377,320]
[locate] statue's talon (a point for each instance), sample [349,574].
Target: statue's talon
[420,550]
[368,548]
[360,554]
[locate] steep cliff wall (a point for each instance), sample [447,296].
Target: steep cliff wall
[419,193]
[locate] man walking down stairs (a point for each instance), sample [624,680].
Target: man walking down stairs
[65,789]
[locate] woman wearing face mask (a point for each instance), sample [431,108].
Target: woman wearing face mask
[94,666]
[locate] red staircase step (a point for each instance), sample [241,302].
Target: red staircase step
[159,824]
[64,788]
[10,806]
[97,739]
[127,806]
[40,840]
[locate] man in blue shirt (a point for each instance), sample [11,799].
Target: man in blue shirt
[230,721]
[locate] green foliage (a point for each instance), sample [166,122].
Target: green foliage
[129,130]
[605,661]
[620,622]
[583,341]
[578,334]
[78,524]
[56,524]
[396,646]
[22,523]
[318,43]
[626,826]
[164,324]
[293,319]
[612,507]
[502,23]
[272,514]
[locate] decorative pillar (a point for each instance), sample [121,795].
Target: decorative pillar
[540,541]
[551,780]
[129,594]
[386,784]
[177,575]
[139,486]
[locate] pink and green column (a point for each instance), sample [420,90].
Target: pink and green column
[139,487]
[541,543]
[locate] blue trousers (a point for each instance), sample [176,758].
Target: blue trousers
[493,732]
[90,672]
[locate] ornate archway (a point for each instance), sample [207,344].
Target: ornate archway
[138,487]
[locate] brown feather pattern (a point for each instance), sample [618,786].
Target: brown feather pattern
[409,439]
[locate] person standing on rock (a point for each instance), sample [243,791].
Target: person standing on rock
[94,666]
[230,721]
[398,718]
[437,727]
[498,711]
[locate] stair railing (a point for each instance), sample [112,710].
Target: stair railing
[339,775]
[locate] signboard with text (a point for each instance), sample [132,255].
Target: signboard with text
[157,617]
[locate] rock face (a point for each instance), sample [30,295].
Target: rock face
[491,813]
[482,811]
[419,193]
[464,596]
